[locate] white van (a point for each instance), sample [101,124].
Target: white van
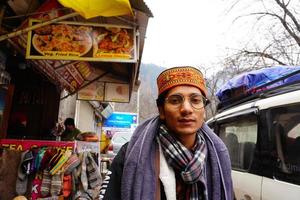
[262,134]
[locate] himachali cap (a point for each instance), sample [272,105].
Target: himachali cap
[181,76]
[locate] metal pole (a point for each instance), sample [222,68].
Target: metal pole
[30,28]
[138,105]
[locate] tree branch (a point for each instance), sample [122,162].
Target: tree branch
[283,22]
[286,10]
[262,54]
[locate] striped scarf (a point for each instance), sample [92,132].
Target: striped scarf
[189,165]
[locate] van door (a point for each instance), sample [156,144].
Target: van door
[240,134]
[285,138]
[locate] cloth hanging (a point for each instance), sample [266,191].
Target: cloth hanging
[9,162]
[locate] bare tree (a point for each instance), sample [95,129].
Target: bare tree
[219,78]
[277,31]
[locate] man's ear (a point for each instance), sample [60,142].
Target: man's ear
[161,112]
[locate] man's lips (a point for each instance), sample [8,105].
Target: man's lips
[186,121]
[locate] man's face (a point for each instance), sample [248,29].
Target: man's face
[182,120]
[70,127]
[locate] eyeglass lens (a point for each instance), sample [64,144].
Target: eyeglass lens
[196,100]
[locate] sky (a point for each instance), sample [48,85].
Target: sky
[189,32]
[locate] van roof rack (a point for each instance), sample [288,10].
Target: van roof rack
[260,92]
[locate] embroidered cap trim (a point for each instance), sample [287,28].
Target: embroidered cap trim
[181,76]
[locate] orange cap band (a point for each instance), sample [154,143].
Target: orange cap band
[181,76]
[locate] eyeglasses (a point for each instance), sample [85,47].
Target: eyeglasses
[197,101]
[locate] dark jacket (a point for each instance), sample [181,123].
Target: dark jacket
[111,186]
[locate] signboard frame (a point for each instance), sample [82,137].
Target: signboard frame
[33,53]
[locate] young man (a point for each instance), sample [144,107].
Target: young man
[175,155]
[71,131]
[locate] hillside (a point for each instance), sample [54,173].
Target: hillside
[147,93]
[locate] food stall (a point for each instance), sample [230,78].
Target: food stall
[57,54]
[93,60]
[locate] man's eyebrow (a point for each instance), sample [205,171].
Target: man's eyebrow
[188,94]
[194,93]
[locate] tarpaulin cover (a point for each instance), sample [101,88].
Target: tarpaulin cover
[95,8]
[248,82]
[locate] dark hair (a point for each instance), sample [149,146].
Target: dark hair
[69,121]
[161,98]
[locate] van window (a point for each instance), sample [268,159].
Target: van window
[240,137]
[286,143]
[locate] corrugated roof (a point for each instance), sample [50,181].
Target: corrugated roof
[141,6]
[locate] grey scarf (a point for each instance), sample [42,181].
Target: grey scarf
[187,164]
[138,180]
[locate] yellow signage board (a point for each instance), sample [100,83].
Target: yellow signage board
[84,42]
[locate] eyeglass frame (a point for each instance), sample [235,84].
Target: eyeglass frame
[204,100]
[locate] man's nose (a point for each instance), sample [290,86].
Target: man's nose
[186,106]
